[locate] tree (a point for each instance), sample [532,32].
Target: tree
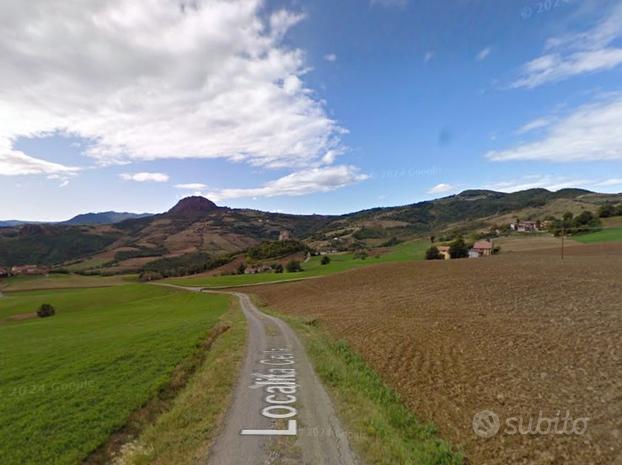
[362,254]
[458,249]
[433,254]
[325,260]
[293,266]
[607,210]
[241,268]
[278,268]
[46,310]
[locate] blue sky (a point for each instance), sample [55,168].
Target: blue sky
[303,107]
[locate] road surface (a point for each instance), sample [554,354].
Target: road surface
[281,413]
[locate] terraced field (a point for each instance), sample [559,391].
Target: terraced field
[524,335]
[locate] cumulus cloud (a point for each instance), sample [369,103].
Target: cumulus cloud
[144,177]
[322,179]
[576,54]
[441,189]
[483,54]
[158,79]
[331,57]
[590,132]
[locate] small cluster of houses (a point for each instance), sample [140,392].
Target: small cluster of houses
[23,270]
[257,269]
[481,248]
[526,226]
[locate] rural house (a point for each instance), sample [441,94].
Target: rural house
[258,269]
[525,226]
[482,248]
[444,251]
[29,270]
[285,235]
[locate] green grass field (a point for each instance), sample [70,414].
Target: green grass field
[312,268]
[68,381]
[62,281]
[606,235]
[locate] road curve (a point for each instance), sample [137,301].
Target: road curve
[277,380]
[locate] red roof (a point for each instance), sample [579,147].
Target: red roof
[482,245]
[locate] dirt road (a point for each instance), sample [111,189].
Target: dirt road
[281,413]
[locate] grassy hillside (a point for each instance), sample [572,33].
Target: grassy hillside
[606,235]
[62,281]
[197,226]
[312,268]
[69,381]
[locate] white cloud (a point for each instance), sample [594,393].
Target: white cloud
[610,182]
[16,163]
[303,182]
[552,183]
[590,132]
[144,177]
[158,79]
[441,189]
[576,54]
[483,54]
[428,56]
[195,186]
[389,3]
[65,183]
[537,123]
[331,57]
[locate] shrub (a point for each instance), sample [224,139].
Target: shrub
[46,310]
[391,242]
[433,254]
[278,268]
[293,266]
[360,254]
[325,260]
[241,268]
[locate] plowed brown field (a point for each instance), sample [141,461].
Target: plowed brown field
[522,335]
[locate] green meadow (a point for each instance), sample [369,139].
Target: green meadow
[68,381]
[605,235]
[311,269]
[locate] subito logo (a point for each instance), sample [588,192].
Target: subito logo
[486,423]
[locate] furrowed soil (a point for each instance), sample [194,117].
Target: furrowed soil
[525,335]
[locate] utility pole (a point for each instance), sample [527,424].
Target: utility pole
[563,236]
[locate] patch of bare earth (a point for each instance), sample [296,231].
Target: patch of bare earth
[525,335]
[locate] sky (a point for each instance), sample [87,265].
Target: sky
[297,106]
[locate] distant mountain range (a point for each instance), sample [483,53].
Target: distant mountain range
[109,217]
[113,242]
